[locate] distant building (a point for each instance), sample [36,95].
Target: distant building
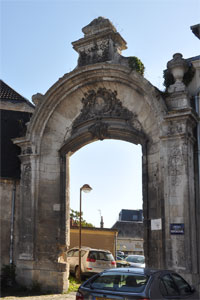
[130,231]
[98,238]
[131,215]
[196,30]
[15,112]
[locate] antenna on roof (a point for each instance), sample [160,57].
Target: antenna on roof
[101,223]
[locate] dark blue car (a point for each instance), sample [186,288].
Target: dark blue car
[136,283]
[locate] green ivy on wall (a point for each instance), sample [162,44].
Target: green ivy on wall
[136,64]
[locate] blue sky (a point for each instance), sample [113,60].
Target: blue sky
[36,51]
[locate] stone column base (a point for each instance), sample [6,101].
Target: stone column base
[49,276]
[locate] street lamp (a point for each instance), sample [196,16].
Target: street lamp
[85,188]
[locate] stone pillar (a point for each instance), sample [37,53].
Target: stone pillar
[65,205]
[27,203]
[179,202]
[178,170]
[39,262]
[153,206]
[26,247]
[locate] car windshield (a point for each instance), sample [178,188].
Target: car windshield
[101,255]
[119,282]
[136,259]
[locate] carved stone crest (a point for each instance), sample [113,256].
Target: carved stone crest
[95,54]
[99,130]
[103,104]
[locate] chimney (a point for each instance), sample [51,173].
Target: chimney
[101,223]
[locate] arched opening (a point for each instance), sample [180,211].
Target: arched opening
[114,170]
[124,184]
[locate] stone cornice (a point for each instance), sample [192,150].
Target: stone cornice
[176,125]
[116,37]
[182,113]
[27,148]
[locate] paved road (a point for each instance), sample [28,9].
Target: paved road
[70,296]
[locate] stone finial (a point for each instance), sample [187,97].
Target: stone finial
[97,25]
[177,66]
[37,98]
[101,43]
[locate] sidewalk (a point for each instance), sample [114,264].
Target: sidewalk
[70,296]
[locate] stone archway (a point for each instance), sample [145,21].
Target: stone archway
[100,100]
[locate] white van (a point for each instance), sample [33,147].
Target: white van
[93,261]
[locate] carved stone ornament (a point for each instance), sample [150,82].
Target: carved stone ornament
[176,163]
[177,66]
[98,52]
[101,43]
[99,130]
[103,104]
[27,150]
[26,176]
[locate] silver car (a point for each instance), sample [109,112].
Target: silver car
[136,261]
[93,261]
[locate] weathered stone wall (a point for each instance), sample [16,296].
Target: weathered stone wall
[9,191]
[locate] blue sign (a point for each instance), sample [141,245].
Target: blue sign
[177,228]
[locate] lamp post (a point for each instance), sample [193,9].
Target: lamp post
[85,188]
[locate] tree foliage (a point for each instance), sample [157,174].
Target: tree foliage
[75,217]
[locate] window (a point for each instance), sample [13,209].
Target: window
[92,255]
[136,259]
[76,253]
[183,286]
[83,253]
[135,218]
[168,286]
[100,255]
[120,282]
[105,256]
[70,253]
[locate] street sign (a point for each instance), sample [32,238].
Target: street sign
[177,228]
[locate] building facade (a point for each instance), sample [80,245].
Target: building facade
[130,227]
[15,112]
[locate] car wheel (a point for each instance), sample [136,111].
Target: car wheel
[76,272]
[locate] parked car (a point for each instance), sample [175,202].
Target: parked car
[120,262]
[136,283]
[92,260]
[121,254]
[136,260]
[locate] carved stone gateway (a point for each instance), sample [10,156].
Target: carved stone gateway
[102,98]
